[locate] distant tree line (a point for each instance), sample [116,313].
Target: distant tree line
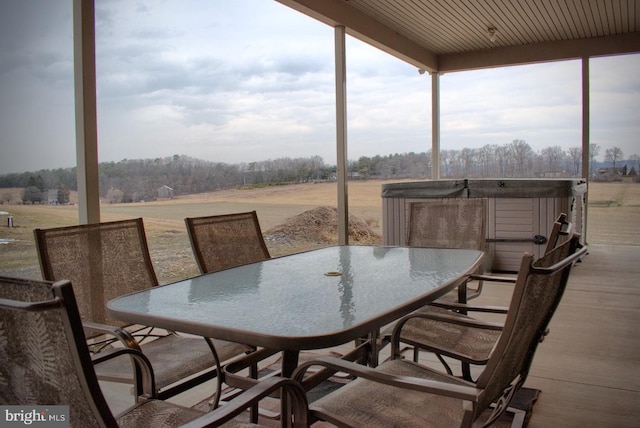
[516,159]
[138,180]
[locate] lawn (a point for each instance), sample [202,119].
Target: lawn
[613,218]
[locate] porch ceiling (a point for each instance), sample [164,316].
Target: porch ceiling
[453,35]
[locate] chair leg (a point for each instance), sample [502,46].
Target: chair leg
[254,410]
[444,363]
[466,371]
[416,354]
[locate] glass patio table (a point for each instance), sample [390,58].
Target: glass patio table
[312,300]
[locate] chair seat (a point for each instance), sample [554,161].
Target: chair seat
[161,414]
[470,344]
[363,403]
[173,358]
[156,413]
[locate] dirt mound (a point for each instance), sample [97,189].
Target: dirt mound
[321,225]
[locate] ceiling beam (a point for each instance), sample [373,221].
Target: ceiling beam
[541,52]
[365,28]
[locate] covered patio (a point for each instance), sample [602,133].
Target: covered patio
[587,368]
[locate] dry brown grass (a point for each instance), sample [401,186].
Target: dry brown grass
[614,218]
[614,213]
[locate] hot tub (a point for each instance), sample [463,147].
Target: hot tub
[520,212]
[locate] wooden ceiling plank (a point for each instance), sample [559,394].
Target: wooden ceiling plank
[571,19]
[599,18]
[576,9]
[554,20]
[459,29]
[431,29]
[590,18]
[611,17]
[618,19]
[534,26]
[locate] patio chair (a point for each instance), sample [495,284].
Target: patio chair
[110,259]
[561,231]
[449,223]
[439,332]
[46,362]
[404,393]
[225,241]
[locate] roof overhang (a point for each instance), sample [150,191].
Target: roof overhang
[453,36]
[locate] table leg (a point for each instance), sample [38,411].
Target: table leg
[289,361]
[374,340]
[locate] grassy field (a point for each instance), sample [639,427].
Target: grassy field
[613,218]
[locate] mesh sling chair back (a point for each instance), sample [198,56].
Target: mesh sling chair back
[109,259]
[403,393]
[228,240]
[449,223]
[561,231]
[225,241]
[446,330]
[46,362]
[458,223]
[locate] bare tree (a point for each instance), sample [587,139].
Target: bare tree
[575,155]
[594,151]
[613,155]
[521,153]
[553,157]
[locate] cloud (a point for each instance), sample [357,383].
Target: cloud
[252,80]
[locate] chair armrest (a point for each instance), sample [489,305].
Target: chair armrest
[452,319]
[143,371]
[463,392]
[471,308]
[493,278]
[297,403]
[119,333]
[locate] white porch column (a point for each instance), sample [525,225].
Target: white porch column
[435,126]
[586,125]
[84,54]
[341,136]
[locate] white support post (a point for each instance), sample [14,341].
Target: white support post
[84,53]
[435,126]
[341,136]
[586,146]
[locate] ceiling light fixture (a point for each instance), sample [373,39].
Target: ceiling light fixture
[492,33]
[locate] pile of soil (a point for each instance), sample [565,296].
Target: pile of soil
[320,226]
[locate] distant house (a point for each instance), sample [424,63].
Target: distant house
[553,174]
[52,197]
[165,192]
[610,171]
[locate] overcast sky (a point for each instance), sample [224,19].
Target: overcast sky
[250,80]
